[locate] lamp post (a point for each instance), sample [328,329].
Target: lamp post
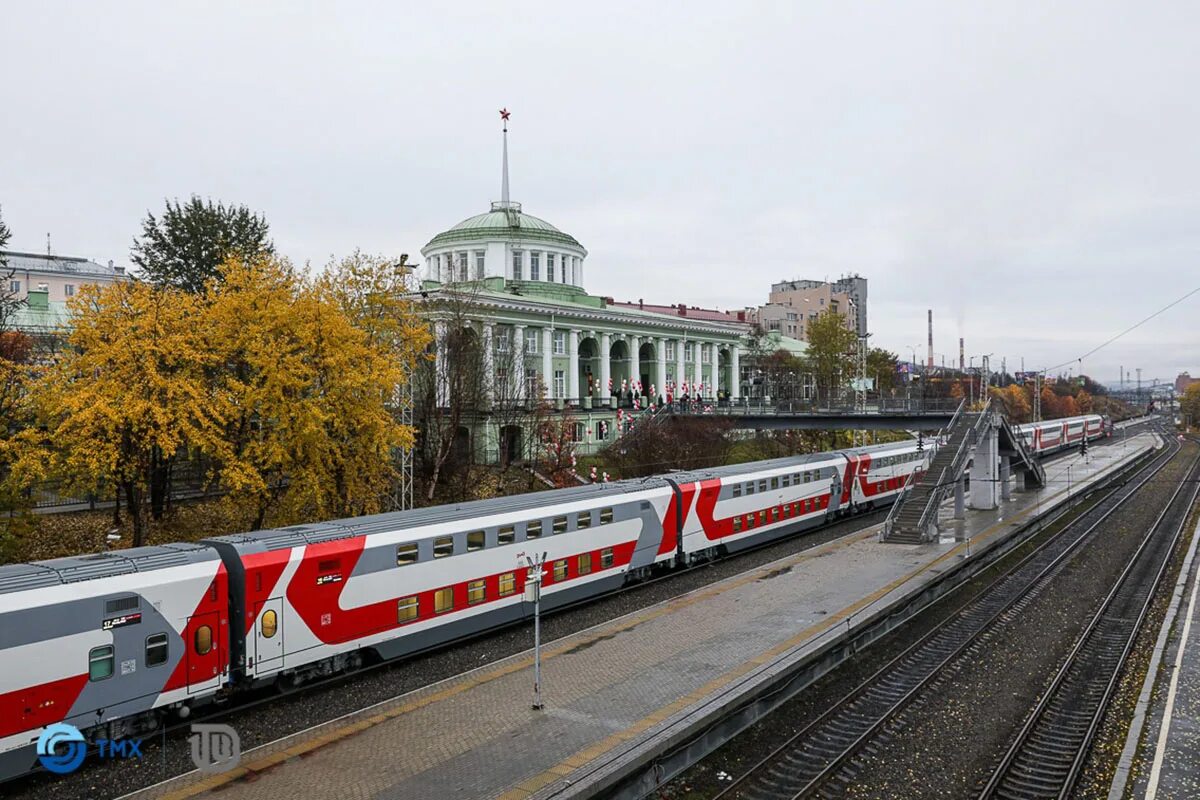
[533,592]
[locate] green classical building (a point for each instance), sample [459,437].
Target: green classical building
[522,281]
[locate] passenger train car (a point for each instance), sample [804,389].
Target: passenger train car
[1049,437]
[113,642]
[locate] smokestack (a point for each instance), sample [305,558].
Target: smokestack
[961,361]
[929,362]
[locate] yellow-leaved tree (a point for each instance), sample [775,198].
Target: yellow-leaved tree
[129,393]
[307,395]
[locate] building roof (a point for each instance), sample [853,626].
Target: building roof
[505,221]
[30,318]
[684,310]
[60,265]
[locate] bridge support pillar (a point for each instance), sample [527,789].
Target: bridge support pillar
[1005,483]
[985,470]
[960,498]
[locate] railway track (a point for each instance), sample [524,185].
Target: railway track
[1048,754]
[807,762]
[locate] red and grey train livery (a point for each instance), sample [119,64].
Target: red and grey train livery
[1048,437]
[114,642]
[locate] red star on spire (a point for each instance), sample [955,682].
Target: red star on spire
[504,114]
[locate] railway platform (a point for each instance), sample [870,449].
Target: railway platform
[620,695]
[1162,751]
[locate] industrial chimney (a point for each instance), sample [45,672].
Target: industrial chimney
[929,362]
[962,362]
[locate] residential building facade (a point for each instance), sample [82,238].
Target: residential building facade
[47,282]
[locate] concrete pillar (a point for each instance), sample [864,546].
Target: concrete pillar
[548,360]
[573,366]
[605,369]
[960,498]
[1005,474]
[985,470]
[735,367]
[442,393]
[660,377]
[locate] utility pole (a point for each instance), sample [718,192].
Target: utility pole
[533,592]
[1037,397]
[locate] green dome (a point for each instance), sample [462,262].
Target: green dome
[502,223]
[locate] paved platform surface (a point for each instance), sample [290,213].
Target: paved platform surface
[1167,764]
[617,687]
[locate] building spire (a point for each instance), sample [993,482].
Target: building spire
[504,114]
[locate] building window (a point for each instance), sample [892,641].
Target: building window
[564,271]
[706,351]
[100,663]
[476,592]
[531,341]
[479,261]
[601,431]
[773,325]
[580,431]
[535,265]
[14,286]
[406,609]
[443,600]
[516,265]
[670,350]
[503,337]
[688,354]
[532,382]
[157,650]
[560,343]
[560,383]
[69,289]
[550,267]
[508,583]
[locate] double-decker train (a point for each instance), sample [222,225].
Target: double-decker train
[1049,437]
[114,643]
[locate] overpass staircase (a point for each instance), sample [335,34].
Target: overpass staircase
[913,517]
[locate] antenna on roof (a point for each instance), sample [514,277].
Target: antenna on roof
[48,253]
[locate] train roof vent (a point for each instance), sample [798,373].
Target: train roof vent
[21,577]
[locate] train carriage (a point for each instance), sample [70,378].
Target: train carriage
[1058,434]
[316,597]
[108,642]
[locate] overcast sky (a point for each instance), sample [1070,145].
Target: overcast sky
[1031,174]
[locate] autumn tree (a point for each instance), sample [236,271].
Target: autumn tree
[127,395]
[186,246]
[669,443]
[1189,405]
[831,354]
[305,396]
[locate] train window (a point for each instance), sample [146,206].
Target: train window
[474,541]
[100,663]
[533,530]
[584,520]
[560,524]
[737,524]
[606,516]
[407,609]
[443,547]
[156,650]
[506,535]
[268,626]
[774,483]
[762,517]
[121,605]
[737,490]
[606,558]
[795,478]
[476,592]
[202,641]
[406,554]
[750,488]
[775,514]
[585,563]
[808,477]
[560,570]
[762,485]
[443,600]
[508,583]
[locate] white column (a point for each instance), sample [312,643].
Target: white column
[518,363]
[573,366]
[489,367]
[660,379]
[985,470]
[635,361]
[439,343]
[697,365]
[605,371]
[735,367]
[680,375]
[548,360]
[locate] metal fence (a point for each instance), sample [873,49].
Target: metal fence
[189,480]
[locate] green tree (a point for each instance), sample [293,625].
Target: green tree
[831,353]
[186,246]
[881,365]
[9,302]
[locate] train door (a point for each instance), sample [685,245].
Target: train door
[268,636]
[204,653]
